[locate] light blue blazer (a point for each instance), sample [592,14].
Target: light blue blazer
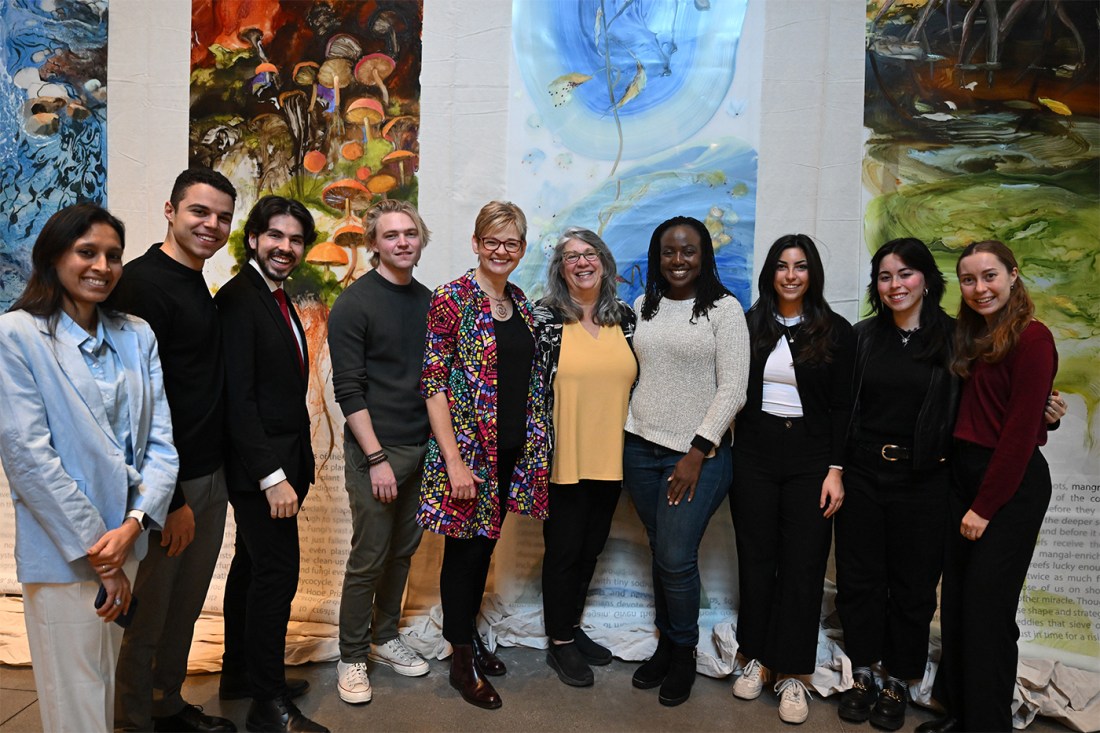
[66,469]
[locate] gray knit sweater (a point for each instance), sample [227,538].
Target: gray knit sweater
[691,376]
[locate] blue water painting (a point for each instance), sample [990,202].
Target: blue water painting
[713,182]
[53,119]
[640,74]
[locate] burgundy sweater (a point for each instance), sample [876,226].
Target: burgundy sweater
[1002,408]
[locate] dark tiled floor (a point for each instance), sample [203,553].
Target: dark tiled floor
[534,700]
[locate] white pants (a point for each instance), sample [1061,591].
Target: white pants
[73,654]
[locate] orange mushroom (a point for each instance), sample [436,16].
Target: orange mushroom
[381,184]
[400,158]
[351,151]
[327,254]
[366,112]
[314,161]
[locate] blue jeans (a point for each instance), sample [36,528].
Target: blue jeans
[674,531]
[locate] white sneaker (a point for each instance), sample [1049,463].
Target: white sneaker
[352,682]
[395,653]
[751,681]
[794,705]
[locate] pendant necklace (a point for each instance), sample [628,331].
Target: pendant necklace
[906,335]
[500,305]
[790,336]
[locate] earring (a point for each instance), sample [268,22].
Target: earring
[926,291]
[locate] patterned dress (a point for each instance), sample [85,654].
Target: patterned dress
[460,358]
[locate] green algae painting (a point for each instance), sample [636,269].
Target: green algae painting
[973,136]
[983,122]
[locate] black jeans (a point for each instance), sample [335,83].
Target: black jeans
[465,568]
[889,553]
[783,540]
[982,581]
[574,534]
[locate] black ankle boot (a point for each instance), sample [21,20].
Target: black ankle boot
[681,676]
[653,670]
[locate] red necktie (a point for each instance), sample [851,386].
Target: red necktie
[281,297]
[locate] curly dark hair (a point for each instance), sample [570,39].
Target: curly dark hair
[933,321]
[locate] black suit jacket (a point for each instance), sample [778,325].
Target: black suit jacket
[267,417]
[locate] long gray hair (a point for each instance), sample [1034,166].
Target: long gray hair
[557,297]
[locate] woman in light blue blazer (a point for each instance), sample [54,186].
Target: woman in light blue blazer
[86,443]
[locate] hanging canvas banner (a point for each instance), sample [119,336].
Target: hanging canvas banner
[624,114]
[982,123]
[318,102]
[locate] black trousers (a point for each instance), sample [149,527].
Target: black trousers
[574,535]
[889,554]
[465,567]
[783,540]
[982,581]
[261,583]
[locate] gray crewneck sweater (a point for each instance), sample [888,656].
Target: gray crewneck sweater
[691,376]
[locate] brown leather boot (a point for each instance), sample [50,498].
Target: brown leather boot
[486,661]
[467,679]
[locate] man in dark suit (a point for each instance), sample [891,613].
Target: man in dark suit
[269,465]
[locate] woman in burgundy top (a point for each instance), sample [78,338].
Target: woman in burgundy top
[1001,487]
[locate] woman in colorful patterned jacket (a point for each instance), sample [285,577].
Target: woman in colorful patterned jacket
[585,340]
[488,451]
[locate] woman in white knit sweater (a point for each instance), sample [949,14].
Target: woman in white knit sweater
[693,359]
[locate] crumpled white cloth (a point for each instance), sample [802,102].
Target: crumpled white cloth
[1044,687]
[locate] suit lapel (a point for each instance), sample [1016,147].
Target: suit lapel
[71,361]
[272,307]
[125,341]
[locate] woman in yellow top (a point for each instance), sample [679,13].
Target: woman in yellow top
[584,335]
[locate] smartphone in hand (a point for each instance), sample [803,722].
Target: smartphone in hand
[123,619]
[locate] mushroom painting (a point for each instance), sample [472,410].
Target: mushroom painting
[316,100]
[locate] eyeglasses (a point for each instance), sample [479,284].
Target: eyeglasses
[511,246]
[572,258]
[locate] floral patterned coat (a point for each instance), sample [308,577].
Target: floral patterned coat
[460,358]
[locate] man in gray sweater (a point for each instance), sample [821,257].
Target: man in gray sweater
[376,341]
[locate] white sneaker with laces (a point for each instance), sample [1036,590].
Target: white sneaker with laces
[794,705]
[395,653]
[352,682]
[751,681]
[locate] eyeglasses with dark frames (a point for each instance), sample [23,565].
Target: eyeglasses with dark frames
[511,246]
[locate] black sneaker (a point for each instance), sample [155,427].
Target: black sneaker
[567,661]
[856,702]
[889,711]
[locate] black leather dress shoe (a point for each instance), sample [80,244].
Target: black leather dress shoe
[889,711]
[946,724]
[280,716]
[856,702]
[192,718]
[236,688]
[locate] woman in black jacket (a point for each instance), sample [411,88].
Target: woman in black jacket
[788,454]
[889,539]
